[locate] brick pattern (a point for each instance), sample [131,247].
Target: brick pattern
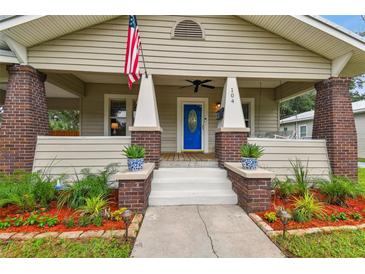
[253,194]
[151,141]
[334,121]
[133,194]
[227,146]
[25,117]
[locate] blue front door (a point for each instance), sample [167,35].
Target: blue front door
[192,127]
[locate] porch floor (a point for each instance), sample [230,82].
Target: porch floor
[187,156]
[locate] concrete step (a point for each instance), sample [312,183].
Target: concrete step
[191,183]
[190,172]
[188,164]
[202,197]
[189,186]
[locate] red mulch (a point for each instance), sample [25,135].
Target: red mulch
[62,214]
[353,206]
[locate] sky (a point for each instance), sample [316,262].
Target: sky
[352,22]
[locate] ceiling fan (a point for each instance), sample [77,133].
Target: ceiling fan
[198,83]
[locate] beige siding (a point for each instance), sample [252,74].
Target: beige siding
[63,103]
[266,109]
[279,153]
[67,155]
[232,46]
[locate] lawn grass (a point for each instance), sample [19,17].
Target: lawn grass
[344,244]
[361,175]
[65,248]
[361,160]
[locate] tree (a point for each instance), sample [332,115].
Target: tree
[298,104]
[64,119]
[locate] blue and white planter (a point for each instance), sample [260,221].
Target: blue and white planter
[135,164]
[249,163]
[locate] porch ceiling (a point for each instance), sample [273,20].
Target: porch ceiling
[112,78]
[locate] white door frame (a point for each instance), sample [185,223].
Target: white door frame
[251,102]
[205,120]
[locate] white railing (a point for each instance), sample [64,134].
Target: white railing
[69,155]
[279,152]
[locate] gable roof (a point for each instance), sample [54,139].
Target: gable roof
[357,107]
[312,32]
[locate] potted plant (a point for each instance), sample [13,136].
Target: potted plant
[249,155]
[135,157]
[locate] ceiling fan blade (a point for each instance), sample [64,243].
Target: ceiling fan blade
[196,88]
[190,81]
[208,86]
[187,86]
[205,81]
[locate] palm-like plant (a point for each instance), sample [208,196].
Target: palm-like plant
[307,207]
[94,206]
[301,176]
[251,151]
[134,152]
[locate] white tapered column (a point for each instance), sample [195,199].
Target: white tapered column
[146,112]
[231,132]
[146,130]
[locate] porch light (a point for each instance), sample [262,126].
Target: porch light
[126,216]
[114,127]
[217,106]
[284,218]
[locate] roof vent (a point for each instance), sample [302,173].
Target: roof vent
[188,29]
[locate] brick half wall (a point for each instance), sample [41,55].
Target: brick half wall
[254,194]
[133,194]
[151,141]
[227,146]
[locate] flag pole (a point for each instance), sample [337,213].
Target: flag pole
[144,63]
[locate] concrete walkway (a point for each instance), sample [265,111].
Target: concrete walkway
[201,232]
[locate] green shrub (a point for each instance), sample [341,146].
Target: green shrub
[17,221]
[307,207]
[339,189]
[134,152]
[342,216]
[26,190]
[69,222]
[91,185]
[5,224]
[97,220]
[356,216]
[251,151]
[285,188]
[32,219]
[84,220]
[300,176]
[270,217]
[93,206]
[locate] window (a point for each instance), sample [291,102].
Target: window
[188,29]
[303,131]
[119,114]
[246,114]
[248,108]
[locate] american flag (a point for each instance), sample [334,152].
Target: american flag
[131,66]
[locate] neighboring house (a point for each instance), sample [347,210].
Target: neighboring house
[300,126]
[251,62]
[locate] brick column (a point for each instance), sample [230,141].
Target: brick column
[227,145]
[134,188]
[253,187]
[334,121]
[151,141]
[25,117]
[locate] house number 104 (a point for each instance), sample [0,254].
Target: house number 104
[232,96]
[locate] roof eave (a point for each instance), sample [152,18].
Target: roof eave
[17,20]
